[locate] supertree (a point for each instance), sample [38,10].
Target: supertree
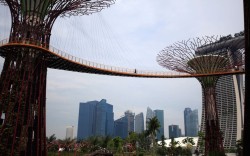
[23,78]
[206,55]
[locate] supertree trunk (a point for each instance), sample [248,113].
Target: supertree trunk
[213,136]
[23,87]
[22,102]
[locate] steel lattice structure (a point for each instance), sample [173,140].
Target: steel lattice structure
[182,56]
[23,78]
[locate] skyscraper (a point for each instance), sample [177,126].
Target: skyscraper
[125,124]
[86,120]
[191,122]
[186,112]
[131,120]
[104,119]
[174,131]
[70,132]
[230,105]
[121,127]
[139,123]
[150,114]
[160,116]
[95,118]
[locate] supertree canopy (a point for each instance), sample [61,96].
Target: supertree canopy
[24,74]
[202,56]
[33,19]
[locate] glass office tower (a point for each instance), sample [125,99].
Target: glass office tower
[95,119]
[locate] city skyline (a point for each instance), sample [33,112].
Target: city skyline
[165,23]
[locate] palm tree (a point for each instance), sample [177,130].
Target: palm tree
[189,141]
[163,143]
[51,138]
[163,149]
[173,147]
[153,127]
[51,143]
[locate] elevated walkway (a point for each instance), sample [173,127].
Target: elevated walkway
[58,59]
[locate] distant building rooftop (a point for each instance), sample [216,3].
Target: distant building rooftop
[167,141]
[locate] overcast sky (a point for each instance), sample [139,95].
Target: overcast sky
[130,34]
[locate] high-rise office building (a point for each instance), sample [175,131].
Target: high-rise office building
[191,122]
[95,118]
[86,120]
[139,123]
[174,131]
[186,112]
[150,114]
[104,119]
[70,132]
[131,120]
[180,134]
[230,105]
[121,127]
[125,124]
[160,116]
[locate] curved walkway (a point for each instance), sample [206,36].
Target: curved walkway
[58,59]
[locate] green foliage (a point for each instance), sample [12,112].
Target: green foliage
[239,147]
[201,142]
[143,142]
[51,138]
[118,142]
[153,127]
[104,141]
[163,143]
[132,138]
[162,150]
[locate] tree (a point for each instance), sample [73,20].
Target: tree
[189,145]
[105,141]
[132,138]
[239,147]
[189,141]
[173,147]
[163,143]
[162,150]
[51,143]
[143,142]
[68,144]
[118,144]
[51,138]
[153,127]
